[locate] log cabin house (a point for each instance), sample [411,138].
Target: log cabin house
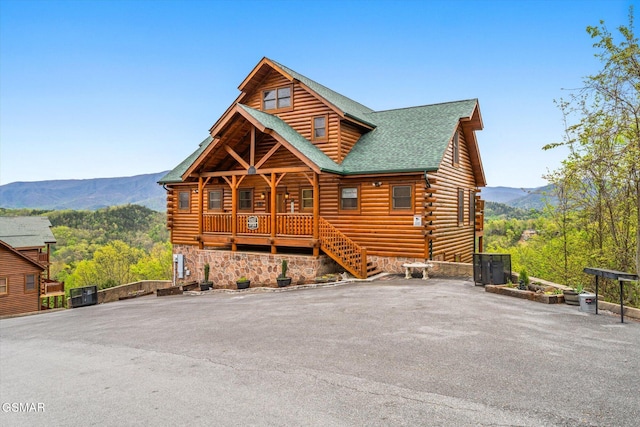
[25,285]
[294,167]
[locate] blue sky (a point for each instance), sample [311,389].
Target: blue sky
[109,88]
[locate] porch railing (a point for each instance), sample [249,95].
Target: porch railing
[342,249]
[259,223]
[51,286]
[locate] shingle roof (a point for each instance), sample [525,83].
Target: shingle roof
[407,139]
[26,231]
[299,142]
[348,106]
[403,140]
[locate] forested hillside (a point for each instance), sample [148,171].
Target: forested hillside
[107,247]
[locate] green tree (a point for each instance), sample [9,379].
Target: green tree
[604,144]
[157,265]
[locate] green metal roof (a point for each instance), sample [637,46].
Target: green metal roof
[26,231]
[175,175]
[407,139]
[348,106]
[403,140]
[299,142]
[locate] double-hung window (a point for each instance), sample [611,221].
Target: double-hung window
[215,200]
[184,200]
[30,283]
[306,199]
[319,128]
[349,200]
[401,199]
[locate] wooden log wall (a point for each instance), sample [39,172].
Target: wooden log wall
[14,269]
[454,241]
[376,227]
[305,106]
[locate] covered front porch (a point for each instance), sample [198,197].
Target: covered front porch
[280,229]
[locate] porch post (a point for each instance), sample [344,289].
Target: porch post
[200,212]
[316,215]
[274,212]
[234,212]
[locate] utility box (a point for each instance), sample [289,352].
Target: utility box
[81,297]
[588,302]
[491,269]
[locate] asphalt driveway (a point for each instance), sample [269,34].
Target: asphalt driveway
[391,352]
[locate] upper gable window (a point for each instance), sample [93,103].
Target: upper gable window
[276,99]
[319,131]
[456,149]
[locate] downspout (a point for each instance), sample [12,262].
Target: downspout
[426,181]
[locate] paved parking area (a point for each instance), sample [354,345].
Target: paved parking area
[391,352]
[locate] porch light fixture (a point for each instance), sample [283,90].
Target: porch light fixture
[376,184]
[286,195]
[251,170]
[262,195]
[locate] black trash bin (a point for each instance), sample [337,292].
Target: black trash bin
[81,297]
[491,269]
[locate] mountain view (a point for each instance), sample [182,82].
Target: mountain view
[93,194]
[85,194]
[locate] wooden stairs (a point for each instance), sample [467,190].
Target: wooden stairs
[345,251]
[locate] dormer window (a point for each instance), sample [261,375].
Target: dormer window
[276,99]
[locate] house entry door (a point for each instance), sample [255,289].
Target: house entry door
[281,202]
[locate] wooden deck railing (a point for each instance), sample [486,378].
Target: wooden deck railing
[295,224]
[286,224]
[51,286]
[343,250]
[216,223]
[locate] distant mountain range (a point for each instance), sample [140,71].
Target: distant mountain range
[86,194]
[524,198]
[92,194]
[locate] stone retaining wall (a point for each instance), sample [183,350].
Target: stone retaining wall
[128,290]
[263,268]
[259,267]
[439,269]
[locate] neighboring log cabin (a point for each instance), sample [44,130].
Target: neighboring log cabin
[294,167]
[25,285]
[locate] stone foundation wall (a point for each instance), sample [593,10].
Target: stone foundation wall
[263,268]
[440,268]
[259,267]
